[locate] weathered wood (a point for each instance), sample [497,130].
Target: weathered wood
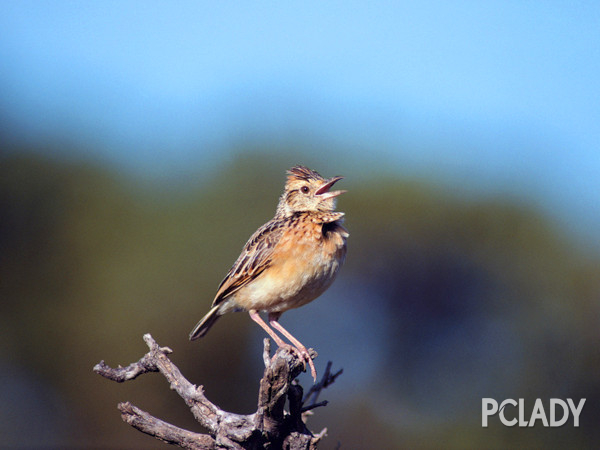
[271,426]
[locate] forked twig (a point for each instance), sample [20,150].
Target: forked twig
[270,426]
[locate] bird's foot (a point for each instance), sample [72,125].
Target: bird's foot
[313,371]
[304,356]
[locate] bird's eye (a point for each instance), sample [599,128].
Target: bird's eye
[304,189]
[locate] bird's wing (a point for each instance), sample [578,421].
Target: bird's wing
[255,257]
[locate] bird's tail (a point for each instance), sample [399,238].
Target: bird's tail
[204,325]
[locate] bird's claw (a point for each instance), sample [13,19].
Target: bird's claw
[304,357]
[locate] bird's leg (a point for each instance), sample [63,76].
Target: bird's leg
[273,320]
[256,317]
[280,342]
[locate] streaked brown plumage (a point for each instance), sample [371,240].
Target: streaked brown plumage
[289,261]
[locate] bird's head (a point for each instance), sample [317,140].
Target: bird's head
[306,190]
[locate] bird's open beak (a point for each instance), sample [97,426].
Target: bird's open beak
[324,193]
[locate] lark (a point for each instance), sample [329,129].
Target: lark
[288,262]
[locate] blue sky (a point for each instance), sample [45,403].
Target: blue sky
[495,95]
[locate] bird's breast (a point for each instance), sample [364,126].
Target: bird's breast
[304,264]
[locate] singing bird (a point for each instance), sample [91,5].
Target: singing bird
[289,261]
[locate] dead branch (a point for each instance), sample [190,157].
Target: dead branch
[271,426]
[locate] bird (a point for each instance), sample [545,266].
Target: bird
[288,262]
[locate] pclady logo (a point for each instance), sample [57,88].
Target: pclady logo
[512,412]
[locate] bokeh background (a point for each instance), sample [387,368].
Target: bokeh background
[143,142]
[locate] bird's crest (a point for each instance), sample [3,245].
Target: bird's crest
[303,173]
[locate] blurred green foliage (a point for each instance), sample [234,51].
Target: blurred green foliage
[479,297]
